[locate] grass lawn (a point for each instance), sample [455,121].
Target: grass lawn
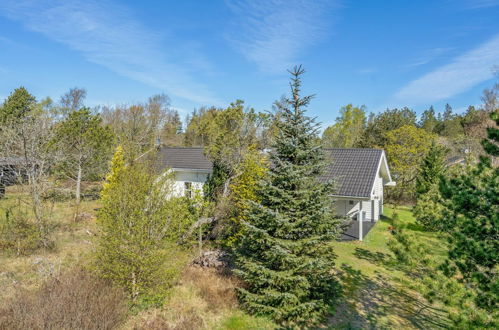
[376,293]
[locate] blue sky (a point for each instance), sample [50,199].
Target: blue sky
[377,53]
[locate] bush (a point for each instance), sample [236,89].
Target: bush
[92,192]
[20,235]
[58,195]
[73,300]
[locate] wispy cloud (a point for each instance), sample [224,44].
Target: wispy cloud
[365,71]
[454,78]
[108,34]
[273,33]
[428,56]
[479,4]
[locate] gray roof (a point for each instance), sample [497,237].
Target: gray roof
[183,158]
[353,170]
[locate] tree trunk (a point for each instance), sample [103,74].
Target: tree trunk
[78,192]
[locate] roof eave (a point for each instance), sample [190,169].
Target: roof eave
[179,169]
[351,197]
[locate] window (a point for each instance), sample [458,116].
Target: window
[350,202]
[188,189]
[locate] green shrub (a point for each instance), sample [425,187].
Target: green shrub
[20,235]
[140,227]
[58,195]
[92,192]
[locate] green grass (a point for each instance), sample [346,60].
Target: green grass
[241,321]
[376,293]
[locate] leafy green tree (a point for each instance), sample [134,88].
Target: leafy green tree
[285,256]
[348,129]
[243,191]
[428,120]
[406,146]
[139,229]
[86,143]
[228,137]
[200,127]
[378,125]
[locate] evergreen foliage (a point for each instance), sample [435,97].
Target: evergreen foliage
[17,105]
[428,120]
[87,145]
[491,143]
[472,200]
[429,204]
[431,168]
[414,257]
[378,125]
[284,257]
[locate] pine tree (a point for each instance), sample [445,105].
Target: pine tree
[473,203]
[431,168]
[428,120]
[491,144]
[285,257]
[87,145]
[19,104]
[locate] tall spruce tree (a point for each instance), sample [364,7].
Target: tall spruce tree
[431,168]
[285,257]
[429,209]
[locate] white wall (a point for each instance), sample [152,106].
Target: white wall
[379,196]
[370,207]
[197,180]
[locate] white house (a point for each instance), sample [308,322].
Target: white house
[190,168]
[359,175]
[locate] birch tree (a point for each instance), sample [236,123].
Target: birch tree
[24,135]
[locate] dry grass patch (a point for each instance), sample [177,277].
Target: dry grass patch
[73,300]
[203,299]
[217,290]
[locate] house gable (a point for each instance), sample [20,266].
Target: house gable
[354,171]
